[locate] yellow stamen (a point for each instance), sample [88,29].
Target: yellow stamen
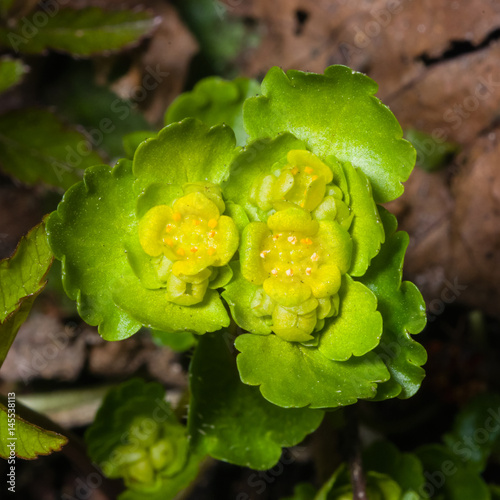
[292,240]
[176,216]
[263,253]
[314,257]
[302,204]
[194,249]
[211,250]
[168,241]
[308,271]
[211,234]
[212,223]
[274,272]
[307,241]
[196,222]
[308,170]
[314,177]
[289,272]
[295,171]
[181,252]
[276,236]
[168,228]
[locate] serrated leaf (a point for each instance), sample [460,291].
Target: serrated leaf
[335,114]
[405,468]
[36,147]
[476,431]
[219,399]
[366,230]
[81,32]
[447,475]
[403,312]
[88,233]
[352,333]
[189,151]
[293,376]
[215,101]
[21,280]
[11,72]
[255,159]
[26,440]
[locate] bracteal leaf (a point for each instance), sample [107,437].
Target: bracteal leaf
[335,114]
[219,399]
[293,376]
[403,313]
[22,278]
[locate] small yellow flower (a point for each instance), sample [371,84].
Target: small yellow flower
[298,261]
[194,237]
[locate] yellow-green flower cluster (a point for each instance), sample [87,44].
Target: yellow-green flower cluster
[194,237]
[298,259]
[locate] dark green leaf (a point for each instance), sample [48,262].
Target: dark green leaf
[81,32]
[404,468]
[476,431]
[23,439]
[36,147]
[21,280]
[432,154]
[335,114]
[303,491]
[446,474]
[293,376]
[403,313]
[215,101]
[11,72]
[220,400]
[178,342]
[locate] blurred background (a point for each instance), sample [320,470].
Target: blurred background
[437,66]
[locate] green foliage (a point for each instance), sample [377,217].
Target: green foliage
[432,154]
[219,399]
[21,281]
[26,440]
[11,72]
[476,431]
[178,342]
[215,101]
[136,436]
[35,146]
[403,312]
[335,114]
[83,32]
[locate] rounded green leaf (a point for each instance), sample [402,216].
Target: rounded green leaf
[293,376]
[357,328]
[219,399]
[335,114]
[215,101]
[89,233]
[403,313]
[185,152]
